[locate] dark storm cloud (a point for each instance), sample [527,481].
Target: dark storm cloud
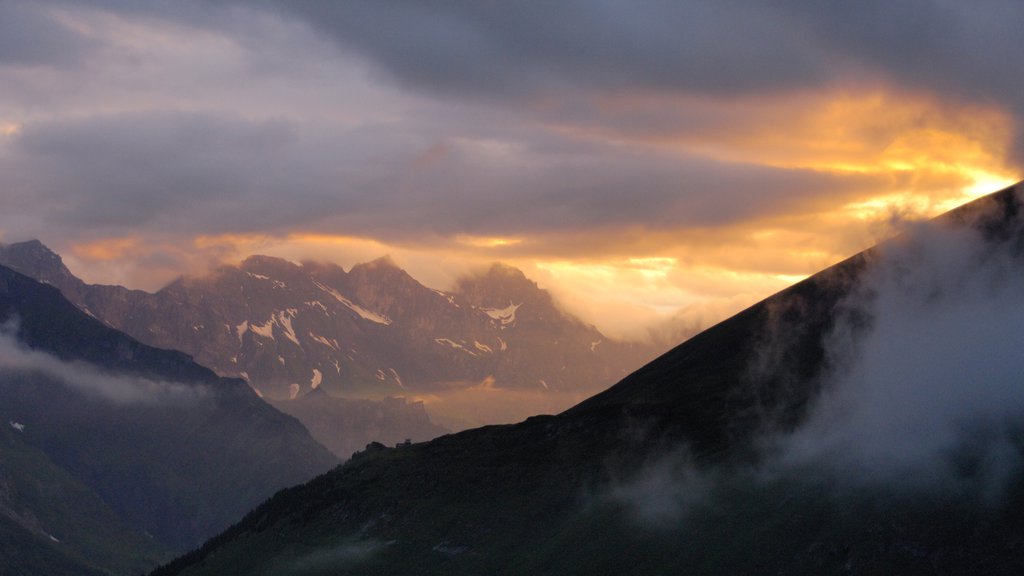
[140,169]
[465,47]
[514,48]
[566,188]
[961,51]
[729,46]
[226,137]
[538,50]
[971,50]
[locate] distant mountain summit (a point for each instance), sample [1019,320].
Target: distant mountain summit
[289,328]
[372,332]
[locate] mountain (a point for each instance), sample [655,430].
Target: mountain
[51,523]
[496,348]
[867,420]
[114,453]
[346,425]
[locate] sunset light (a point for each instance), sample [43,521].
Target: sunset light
[654,195]
[389,287]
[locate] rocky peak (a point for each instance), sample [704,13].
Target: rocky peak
[35,260]
[381,285]
[270,266]
[382,269]
[500,286]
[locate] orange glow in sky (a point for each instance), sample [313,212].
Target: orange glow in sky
[925,156]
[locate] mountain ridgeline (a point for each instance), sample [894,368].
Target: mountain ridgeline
[866,420]
[115,454]
[369,333]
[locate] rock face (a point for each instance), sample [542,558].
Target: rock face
[123,452]
[371,332]
[720,457]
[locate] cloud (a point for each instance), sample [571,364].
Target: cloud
[738,137]
[501,50]
[924,394]
[927,389]
[332,557]
[82,377]
[201,173]
[563,55]
[30,36]
[665,492]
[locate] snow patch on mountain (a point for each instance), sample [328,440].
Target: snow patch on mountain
[398,380]
[17,425]
[483,347]
[277,283]
[265,330]
[283,319]
[507,315]
[333,344]
[362,312]
[317,379]
[454,344]
[241,329]
[450,298]
[293,391]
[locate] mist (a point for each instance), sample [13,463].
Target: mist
[927,388]
[79,376]
[922,395]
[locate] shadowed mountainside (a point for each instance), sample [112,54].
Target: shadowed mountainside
[142,445]
[697,462]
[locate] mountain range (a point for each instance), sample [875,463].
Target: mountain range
[867,420]
[495,349]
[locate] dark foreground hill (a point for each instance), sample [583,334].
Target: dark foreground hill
[868,420]
[115,454]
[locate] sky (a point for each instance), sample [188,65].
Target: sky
[646,161]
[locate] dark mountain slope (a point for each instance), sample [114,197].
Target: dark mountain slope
[691,465]
[53,524]
[25,553]
[172,449]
